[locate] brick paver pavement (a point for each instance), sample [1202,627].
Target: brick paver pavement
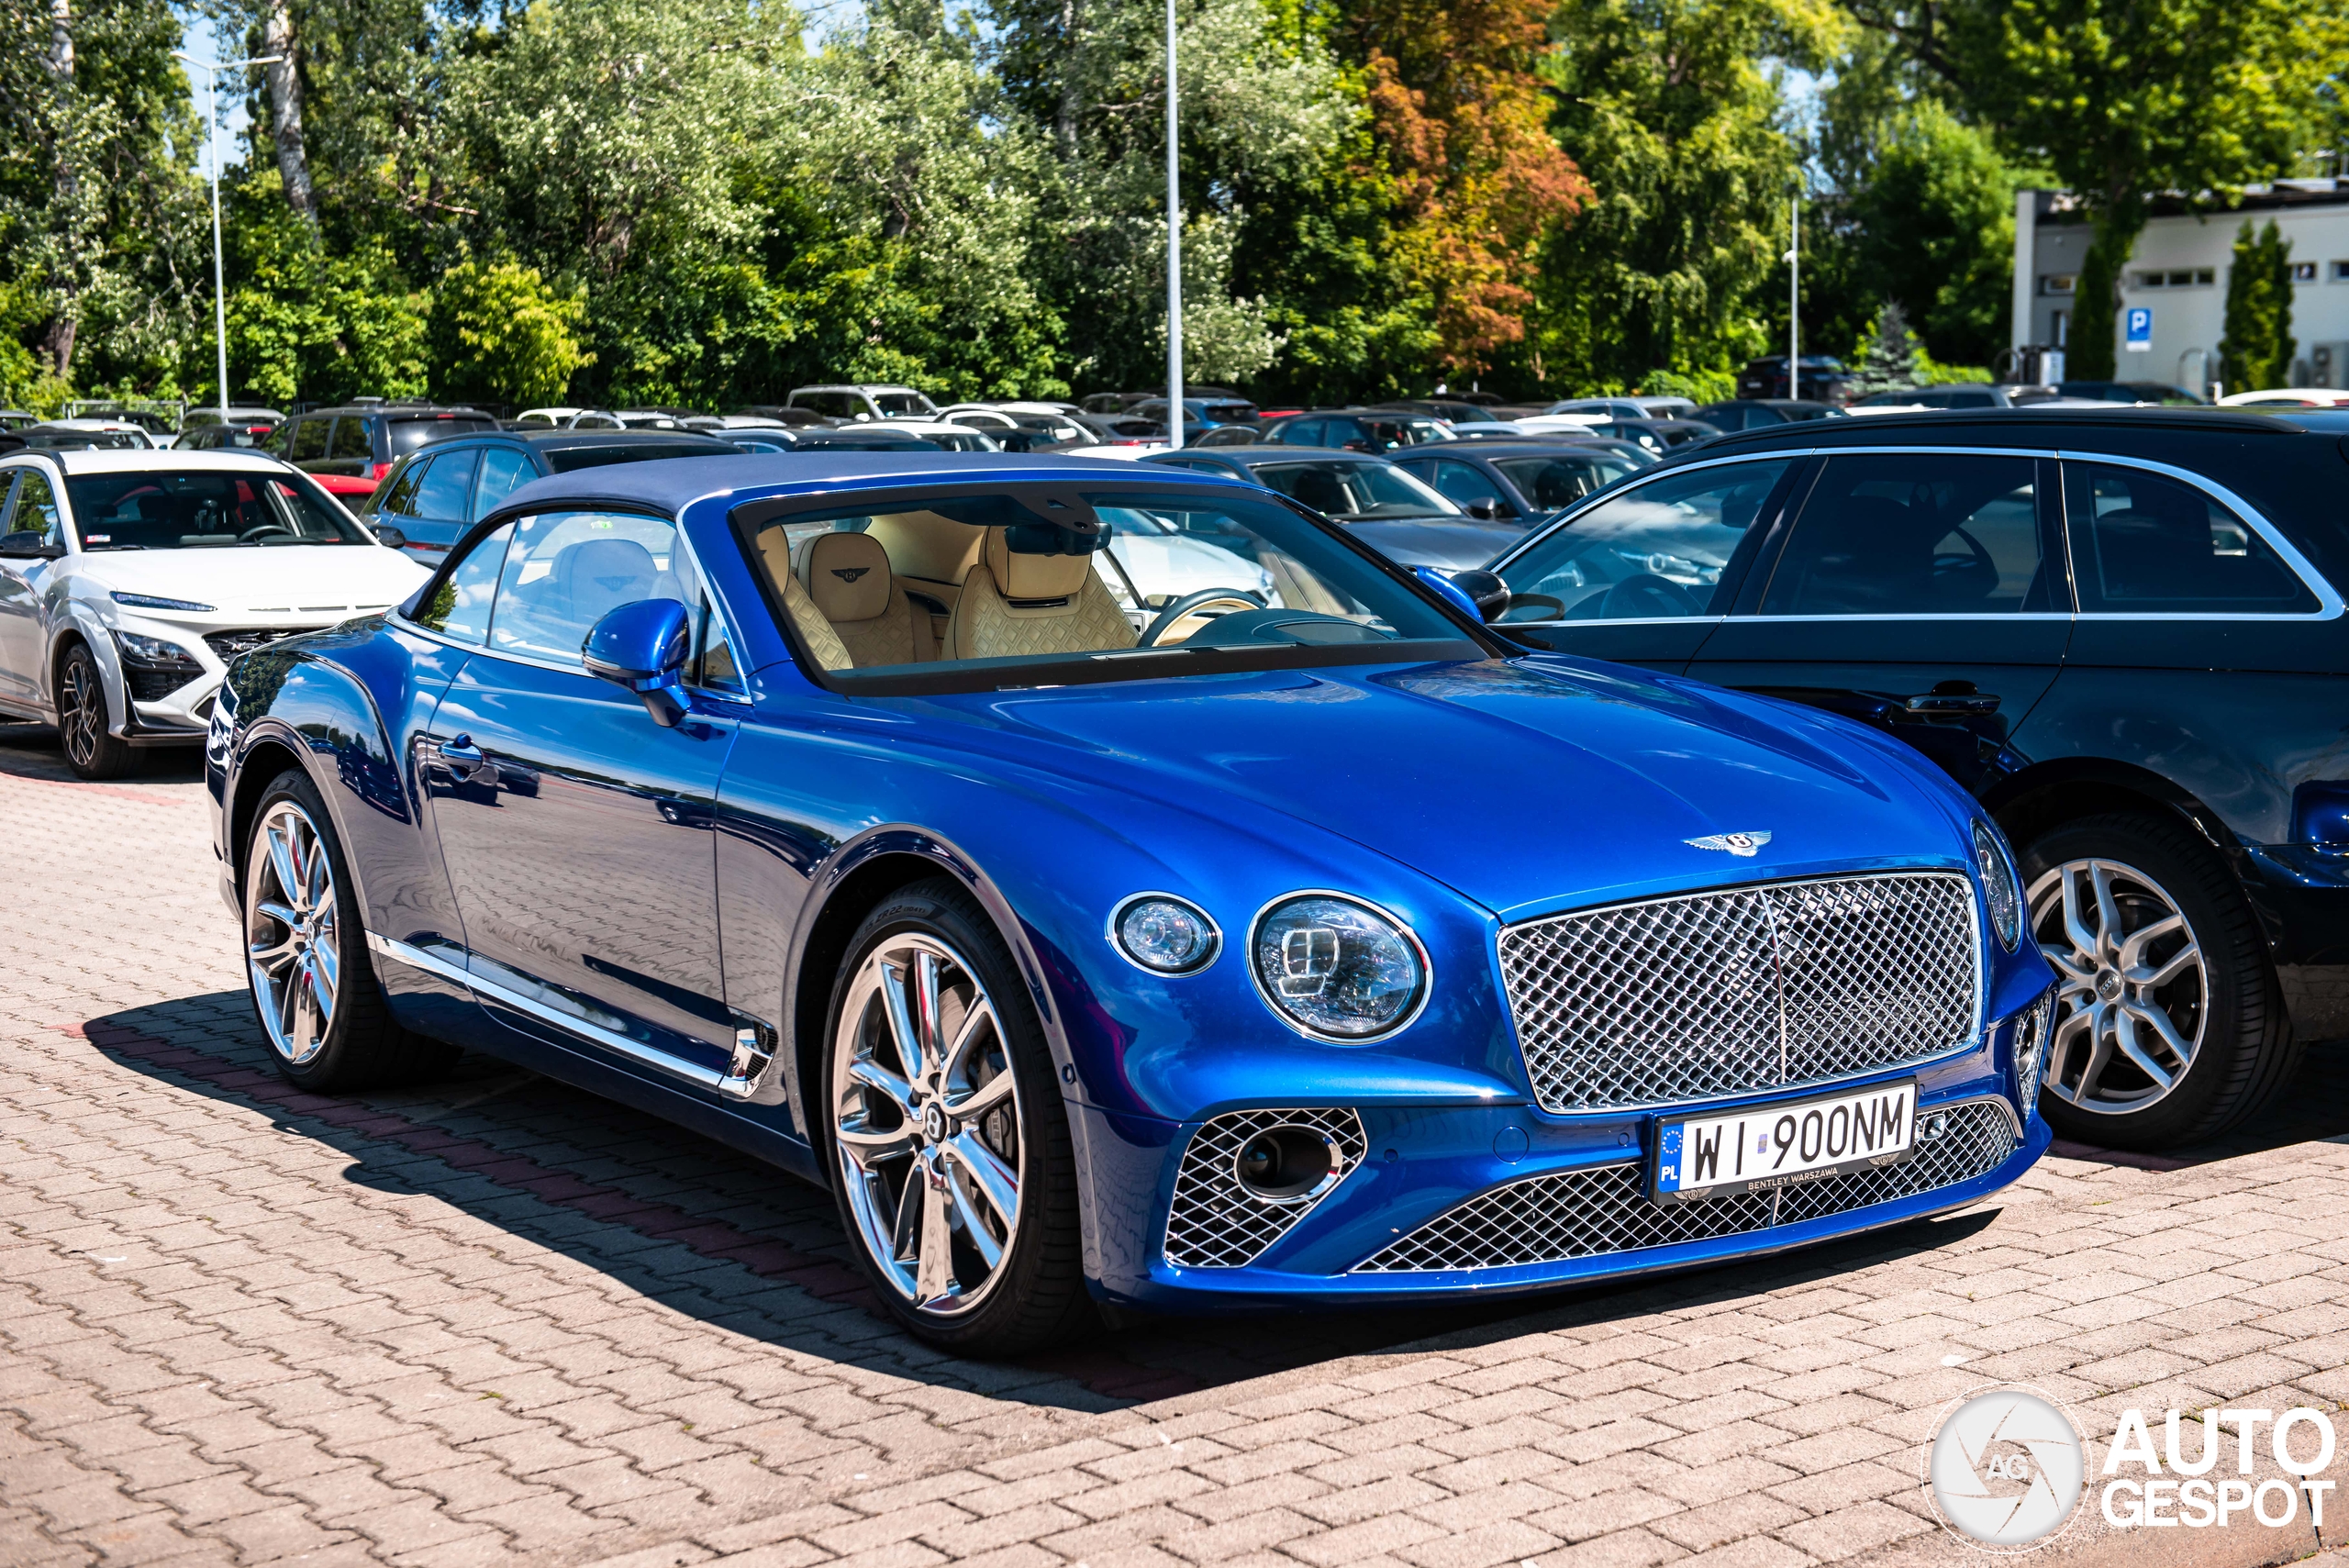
[499,1321]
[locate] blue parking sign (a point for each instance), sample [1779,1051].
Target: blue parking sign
[2140,326]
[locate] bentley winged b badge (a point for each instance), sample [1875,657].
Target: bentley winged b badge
[1740,844]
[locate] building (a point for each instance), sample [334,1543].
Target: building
[2179,271]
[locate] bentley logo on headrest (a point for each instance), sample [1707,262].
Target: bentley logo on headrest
[850,573]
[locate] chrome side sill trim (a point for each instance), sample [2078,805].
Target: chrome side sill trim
[635,1050]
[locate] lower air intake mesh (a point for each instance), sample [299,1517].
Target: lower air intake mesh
[1591,1213]
[1216,1223]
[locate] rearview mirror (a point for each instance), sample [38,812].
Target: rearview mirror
[643,646]
[29,545]
[1485,591]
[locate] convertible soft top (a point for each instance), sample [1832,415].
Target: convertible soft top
[671,484]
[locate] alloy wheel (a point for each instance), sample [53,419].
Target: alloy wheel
[926,1124]
[82,716]
[2133,1005]
[293,939]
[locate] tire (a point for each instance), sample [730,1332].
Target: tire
[923,1193]
[2196,976]
[83,719]
[313,984]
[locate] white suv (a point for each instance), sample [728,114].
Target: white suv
[129,579]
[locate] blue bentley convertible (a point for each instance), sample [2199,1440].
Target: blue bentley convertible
[1299,939]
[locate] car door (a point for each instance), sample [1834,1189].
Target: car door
[351,449]
[443,496]
[1645,575]
[20,605]
[576,831]
[306,446]
[1924,593]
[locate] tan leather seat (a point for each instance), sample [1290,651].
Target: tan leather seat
[1015,605]
[823,643]
[849,578]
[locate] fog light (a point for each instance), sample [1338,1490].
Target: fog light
[2031,1049]
[1164,935]
[1287,1165]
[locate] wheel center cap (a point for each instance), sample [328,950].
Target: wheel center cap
[2108,985]
[933,1122]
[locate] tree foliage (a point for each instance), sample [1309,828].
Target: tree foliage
[2256,352]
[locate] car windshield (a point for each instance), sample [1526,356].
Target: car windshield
[1656,551]
[1551,482]
[204,509]
[86,440]
[972,592]
[1355,490]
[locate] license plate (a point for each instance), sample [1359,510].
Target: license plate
[1723,1153]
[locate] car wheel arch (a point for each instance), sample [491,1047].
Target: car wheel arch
[2030,801]
[262,762]
[860,874]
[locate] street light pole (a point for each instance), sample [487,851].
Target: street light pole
[1794,296]
[1173,254]
[219,286]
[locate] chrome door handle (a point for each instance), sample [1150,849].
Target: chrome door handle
[466,765]
[1953,702]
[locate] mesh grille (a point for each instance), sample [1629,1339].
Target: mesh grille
[1757,988]
[1213,1222]
[1588,1214]
[229,644]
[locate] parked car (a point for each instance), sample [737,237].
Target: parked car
[130,579]
[1636,407]
[1515,482]
[2122,630]
[1166,970]
[1656,437]
[1824,380]
[795,417]
[1757,413]
[1356,430]
[360,441]
[77,435]
[2158,393]
[864,400]
[246,417]
[215,436]
[1962,396]
[2288,397]
[1027,426]
[434,493]
[1452,411]
[1386,507]
[17,419]
[1203,413]
[745,433]
[893,434]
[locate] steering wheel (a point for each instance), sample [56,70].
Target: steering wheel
[253,533]
[1644,595]
[1554,608]
[1190,605]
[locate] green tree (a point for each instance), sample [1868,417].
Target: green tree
[503,331]
[2126,99]
[1669,110]
[1888,356]
[2256,352]
[306,320]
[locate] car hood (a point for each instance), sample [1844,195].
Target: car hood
[1526,784]
[1450,546]
[316,579]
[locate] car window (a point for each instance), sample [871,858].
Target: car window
[457,607]
[1464,483]
[1658,551]
[205,508]
[34,511]
[2146,543]
[350,439]
[504,471]
[901,403]
[714,665]
[1561,478]
[400,501]
[440,494]
[565,571]
[309,439]
[1356,490]
[1301,433]
[406,435]
[1915,534]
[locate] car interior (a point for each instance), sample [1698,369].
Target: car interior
[982,578]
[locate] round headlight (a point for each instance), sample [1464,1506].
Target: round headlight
[1164,935]
[1336,968]
[1999,887]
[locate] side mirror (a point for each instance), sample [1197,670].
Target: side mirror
[1485,510]
[643,646]
[30,546]
[1485,591]
[1440,584]
[390,538]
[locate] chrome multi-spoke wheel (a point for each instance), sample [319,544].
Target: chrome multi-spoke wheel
[2135,1003]
[293,934]
[90,750]
[926,1119]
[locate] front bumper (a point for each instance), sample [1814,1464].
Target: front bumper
[1568,1193]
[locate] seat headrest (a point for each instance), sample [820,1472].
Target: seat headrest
[1033,576]
[847,576]
[599,575]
